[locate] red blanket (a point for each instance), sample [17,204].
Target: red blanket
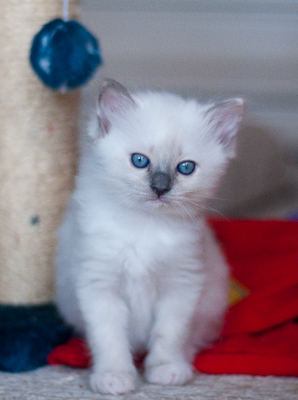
[260,336]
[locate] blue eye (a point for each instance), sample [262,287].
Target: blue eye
[186,167]
[139,160]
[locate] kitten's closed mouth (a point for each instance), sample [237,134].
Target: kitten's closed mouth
[158,201]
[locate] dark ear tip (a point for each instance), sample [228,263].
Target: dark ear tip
[104,85]
[107,82]
[237,102]
[230,108]
[113,85]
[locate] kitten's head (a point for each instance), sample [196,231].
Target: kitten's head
[160,152]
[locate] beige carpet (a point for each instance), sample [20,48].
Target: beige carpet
[71,384]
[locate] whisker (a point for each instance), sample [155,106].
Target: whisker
[185,199]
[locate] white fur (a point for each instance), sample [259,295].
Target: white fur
[135,272]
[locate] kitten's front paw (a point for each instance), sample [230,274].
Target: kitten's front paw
[169,374]
[113,382]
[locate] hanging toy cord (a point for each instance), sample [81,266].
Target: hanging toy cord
[65,17]
[65,10]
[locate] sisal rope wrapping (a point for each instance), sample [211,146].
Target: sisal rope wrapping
[38,155]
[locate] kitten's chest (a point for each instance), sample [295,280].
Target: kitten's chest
[153,253]
[146,251]
[148,245]
[152,258]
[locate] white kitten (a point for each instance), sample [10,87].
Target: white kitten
[138,268]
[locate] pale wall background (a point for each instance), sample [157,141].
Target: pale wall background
[212,49]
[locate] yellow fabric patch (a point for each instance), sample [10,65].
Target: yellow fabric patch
[237,291]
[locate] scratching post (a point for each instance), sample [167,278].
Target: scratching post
[38,152]
[38,142]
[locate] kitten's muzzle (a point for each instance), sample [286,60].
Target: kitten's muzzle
[160,183]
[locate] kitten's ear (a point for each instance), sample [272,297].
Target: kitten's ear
[224,119]
[114,101]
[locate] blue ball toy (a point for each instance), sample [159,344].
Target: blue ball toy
[64,54]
